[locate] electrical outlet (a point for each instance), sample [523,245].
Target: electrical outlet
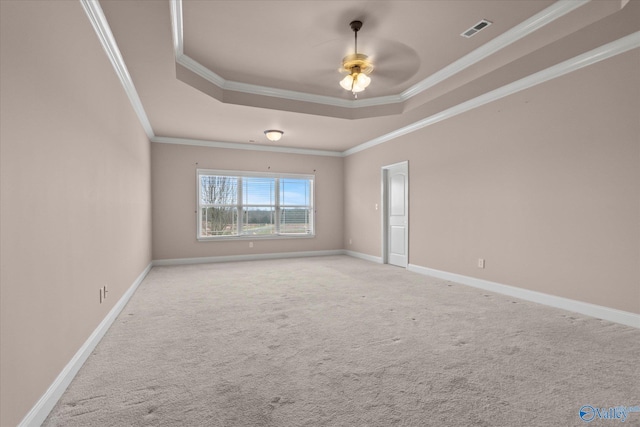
[351,241]
[480,263]
[250,244]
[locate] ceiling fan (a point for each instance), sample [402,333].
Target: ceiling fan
[357,66]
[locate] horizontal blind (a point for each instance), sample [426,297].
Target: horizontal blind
[234,204]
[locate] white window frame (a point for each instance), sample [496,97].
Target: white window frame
[239,205]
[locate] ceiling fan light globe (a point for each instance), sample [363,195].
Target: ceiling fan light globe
[357,88]
[363,80]
[360,82]
[347,82]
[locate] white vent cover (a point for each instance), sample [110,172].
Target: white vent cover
[476,28]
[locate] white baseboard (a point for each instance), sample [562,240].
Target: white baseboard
[597,311]
[365,257]
[43,407]
[252,257]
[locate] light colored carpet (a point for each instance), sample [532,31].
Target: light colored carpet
[337,341]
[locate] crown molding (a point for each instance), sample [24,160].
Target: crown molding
[609,50]
[606,51]
[101,27]
[103,31]
[176,28]
[237,146]
[545,17]
[212,77]
[536,22]
[306,97]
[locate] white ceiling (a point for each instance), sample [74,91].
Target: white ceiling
[224,71]
[298,45]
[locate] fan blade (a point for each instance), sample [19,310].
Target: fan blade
[394,61]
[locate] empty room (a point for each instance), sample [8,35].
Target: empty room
[319,213]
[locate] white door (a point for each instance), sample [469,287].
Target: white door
[397,199]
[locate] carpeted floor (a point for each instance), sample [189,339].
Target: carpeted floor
[337,341]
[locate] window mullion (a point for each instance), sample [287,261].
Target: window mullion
[240,207]
[292,204]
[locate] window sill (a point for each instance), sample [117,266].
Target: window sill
[255,237]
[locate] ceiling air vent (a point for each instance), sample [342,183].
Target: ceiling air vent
[473,30]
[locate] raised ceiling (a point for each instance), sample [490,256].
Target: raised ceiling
[298,45]
[221,72]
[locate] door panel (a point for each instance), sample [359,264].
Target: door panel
[397,240]
[396,193]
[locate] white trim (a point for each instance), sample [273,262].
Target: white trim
[308,97]
[212,77]
[384,211]
[252,257]
[545,17]
[100,25]
[255,238]
[597,311]
[40,411]
[601,53]
[384,217]
[204,72]
[239,204]
[177,28]
[539,20]
[247,173]
[237,146]
[258,257]
[103,31]
[366,257]
[201,70]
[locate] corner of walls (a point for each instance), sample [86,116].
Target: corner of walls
[542,183]
[173,169]
[366,257]
[38,414]
[75,197]
[252,257]
[592,310]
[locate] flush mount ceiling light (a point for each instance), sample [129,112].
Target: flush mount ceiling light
[357,65]
[273,134]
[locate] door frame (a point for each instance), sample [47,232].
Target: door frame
[385,210]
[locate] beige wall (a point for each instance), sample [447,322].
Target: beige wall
[544,184]
[174,199]
[75,194]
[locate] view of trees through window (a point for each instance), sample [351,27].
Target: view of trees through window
[218,198]
[254,205]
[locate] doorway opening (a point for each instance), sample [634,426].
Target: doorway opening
[395,214]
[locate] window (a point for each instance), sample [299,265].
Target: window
[247,204]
